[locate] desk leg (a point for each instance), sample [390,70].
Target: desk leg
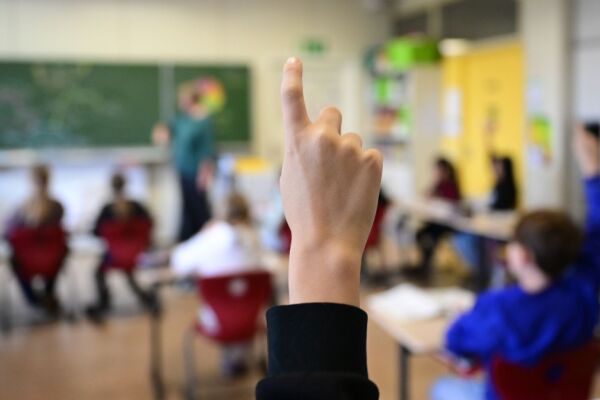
[404,358]
[485,266]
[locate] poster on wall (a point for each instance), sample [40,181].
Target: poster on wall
[539,141]
[539,128]
[452,122]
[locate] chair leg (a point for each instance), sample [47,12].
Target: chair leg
[6,311]
[189,365]
[156,379]
[73,310]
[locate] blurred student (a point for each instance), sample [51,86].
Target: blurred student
[446,188]
[329,187]
[191,136]
[504,193]
[223,247]
[554,305]
[40,210]
[503,198]
[124,210]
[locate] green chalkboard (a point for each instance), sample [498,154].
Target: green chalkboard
[74,105]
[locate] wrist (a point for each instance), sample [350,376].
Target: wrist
[324,272]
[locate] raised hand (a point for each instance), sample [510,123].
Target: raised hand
[329,187]
[587,151]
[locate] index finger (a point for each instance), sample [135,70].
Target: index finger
[295,117]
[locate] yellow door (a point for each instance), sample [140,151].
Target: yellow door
[490,83]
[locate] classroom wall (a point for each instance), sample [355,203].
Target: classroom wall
[545,34]
[260,33]
[585,95]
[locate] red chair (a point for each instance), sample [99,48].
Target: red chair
[562,376]
[373,241]
[237,302]
[285,236]
[126,239]
[375,233]
[38,251]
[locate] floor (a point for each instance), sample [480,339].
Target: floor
[78,360]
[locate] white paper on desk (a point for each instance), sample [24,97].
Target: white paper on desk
[452,299]
[407,302]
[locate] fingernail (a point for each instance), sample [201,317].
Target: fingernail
[291,60]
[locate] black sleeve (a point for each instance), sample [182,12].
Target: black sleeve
[317,351]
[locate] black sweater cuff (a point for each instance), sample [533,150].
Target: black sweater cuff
[317,337]
[317,351]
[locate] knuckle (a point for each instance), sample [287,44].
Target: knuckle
[331,110]
[350,148]
[373,159]
[324,140]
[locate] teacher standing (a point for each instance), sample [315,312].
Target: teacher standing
[191,137]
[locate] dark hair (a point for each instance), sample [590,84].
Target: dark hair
[505,187]
[446,165]
[117,182]
[553,239]
[508,169]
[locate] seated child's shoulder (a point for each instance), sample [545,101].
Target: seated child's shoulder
[506,296]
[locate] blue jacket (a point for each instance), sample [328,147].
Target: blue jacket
[522,327]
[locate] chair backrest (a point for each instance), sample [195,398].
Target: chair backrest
[237,301]
[38,251]
[126,239]
[375,233]
[285,236]
[566,375]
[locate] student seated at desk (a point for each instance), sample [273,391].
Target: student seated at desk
[446,188]
[503,198]
[222,247]
[124,210]
[554,305]
[40,210]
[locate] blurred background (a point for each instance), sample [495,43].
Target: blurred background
[179,101]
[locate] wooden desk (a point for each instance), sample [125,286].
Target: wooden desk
[489,228]
[413,337]
[492,225]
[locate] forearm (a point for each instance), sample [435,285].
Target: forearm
[317,351]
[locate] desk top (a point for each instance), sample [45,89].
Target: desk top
[493,225]
[420,337]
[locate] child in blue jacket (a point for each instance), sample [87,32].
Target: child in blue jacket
[554,305]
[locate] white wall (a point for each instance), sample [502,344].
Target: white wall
[585,96]
[586,54]
[545,33]
[259,33]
